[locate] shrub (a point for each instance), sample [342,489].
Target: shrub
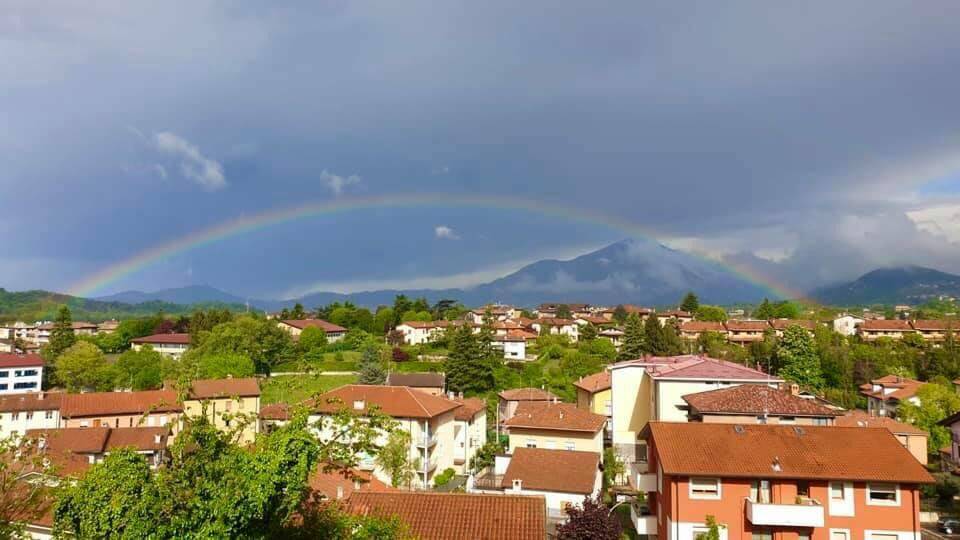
[400,355]
[444,478]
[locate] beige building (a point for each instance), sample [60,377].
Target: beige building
[469,431]
[172,345]
[745,332]
[562,327]
[555,426]
[296,326]
[434,384]
[935,331]
[230,405]
[34,410]
[148,408]
[677,315]
[692,330]
[593,395]
[428,419]
[911,437]
[874,329]
[885,394]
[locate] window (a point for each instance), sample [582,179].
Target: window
[48,415]
[883,536]
[839,534]
[788,420]
[821,421]
[803,488]
[3,386]
[22,385]
[4,373]
[704,488]
[700,532]
[531,443]
[762,534]
[15,416]
[883,494]
[762,419]
[760,492]
[803,535]
[836,491]
[569,445]
[29,415]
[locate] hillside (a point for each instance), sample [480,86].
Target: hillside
[41,305]
[900,285]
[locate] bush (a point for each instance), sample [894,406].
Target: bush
[400,355]
[444,478]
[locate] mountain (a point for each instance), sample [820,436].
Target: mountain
[899,285]
[191,294]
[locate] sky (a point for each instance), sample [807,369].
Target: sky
[809,142]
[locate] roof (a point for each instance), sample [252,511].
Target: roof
[555,416]
[565,471]
[674,313]
[801,452]
[905,388]
[783,324]
[630,308]
[886,324]
[858,418]
[15,360]
[446,516]
[552,306]
[516,335]
[935,325]
[31,401]
[417,380]
[327,327]
[754,399]
[735,325]
[338,483]
[696,367]
[97,440]
[432,324]
[554,321]
[469,407]
[595,319]
[166,339]
[395,401]
[702,326]
[275,411]
[597,382]
[527,394]
[225,388]
[116,403]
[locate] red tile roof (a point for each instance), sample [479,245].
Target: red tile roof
[735,325]
[783,324]
[858,418]
[755,399]
[275,411]
[702,326]
[554,321]
[696,367]
[396,401]
[516,335]
[97,440]
[905,388]
[598,382]
[451,516]
[327,327]
[886,324]
[564,471]
[802,452]
[15,360]
[335,483]
[935,325]
[31,401]
[224,388]
[527,394]
[164,339]
[432,324]
[554,416]
[118,403]
[674,313]
[595,319]
[469,407]
[417,380]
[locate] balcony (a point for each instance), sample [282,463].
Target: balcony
[431,463]
[804,513]
[426,441]
[646,482]
[643,522]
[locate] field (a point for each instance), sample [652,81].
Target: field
[329,363]
[294,388]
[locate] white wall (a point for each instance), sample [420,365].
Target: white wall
[27,420]
[10,378]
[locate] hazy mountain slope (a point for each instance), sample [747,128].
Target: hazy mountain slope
[901,285]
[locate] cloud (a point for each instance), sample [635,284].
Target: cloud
[161,171]
[193,165]
[446,233]
[336,183]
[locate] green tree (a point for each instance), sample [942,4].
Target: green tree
[467,369]
[588,332]
[613,468]
[713,529]
[634,341]
[297,312]
[383,320]
[312,338]
[256,338]
[764,311]
[21,501]
[690,303]
[371,366]
[710,313]
[394,458]
[655,342]
[142,370]
[620,314]
[797,355]
[223,365]
[563,312]
[62,336]
[83,367]
[401,304]
[937,401]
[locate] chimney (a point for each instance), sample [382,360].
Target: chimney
[157,439]
[40,395]
[451,394]
[795,389]
[776,465]
[91,458]
[517,484]
[460,395]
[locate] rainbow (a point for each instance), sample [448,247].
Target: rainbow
[113,273]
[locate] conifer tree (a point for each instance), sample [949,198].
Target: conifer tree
[690,303]
[634,342]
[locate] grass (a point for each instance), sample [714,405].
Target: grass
[329,363]
[294,388]
[412,367]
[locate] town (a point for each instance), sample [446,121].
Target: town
[429,421]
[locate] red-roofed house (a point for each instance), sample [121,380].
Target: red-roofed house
[911,437]
[20,373]
[172,345]
[935,330]
[296,326]
[228,403]
[94,444]
[885,394]
[745,332]
[147,408]
[873,329]
[758,404]
[512,398]
[514,344]
[33,410]
[561,426]
[692,330]
[593,395]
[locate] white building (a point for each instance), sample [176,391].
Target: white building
[513,344]
[296,326]
[563,327]
[34,410]
[20,373]
[420,332]
[172,345]
[469,431]
[846,324]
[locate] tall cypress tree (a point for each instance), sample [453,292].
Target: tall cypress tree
[634,342]
[468,370]
[690,302]
[371,368]
[653,333]
[61,336]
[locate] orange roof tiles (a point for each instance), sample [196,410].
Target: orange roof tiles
[527,394]
[783,324]
[754,399]
[334,484]
[565,471]
[702,326]
[597,382]
[554,416]
[326,326]
[889,325]
[802,452]
[698,367]
[118,403]
[469,407]
[935,325]
[417,380]
[449,516]
[97,440]
[734,325]
[32,401]
[15,360]
[172,339]
[905,388]
[857,418]
[396,401]
[275,411]
[224,388]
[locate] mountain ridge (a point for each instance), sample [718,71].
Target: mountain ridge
[908,284]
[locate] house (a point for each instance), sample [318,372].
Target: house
[549,310]
[428,419]
[432,383]
[446,516]
[692,330]
[562,477]
[469,431]
[108,327]
[20,373]
[80,328]
[757,404]
[510,399]
[847,324]
[513,344]
[560,426]
[273,416]
[497,312]
[34,410]
[593,395]
[911,437]
[96,443]
[775,481]
[150,408]
[780,325]
[652,388]
[935,331]
[228,404]
[745,332]
[615,335]
[172,345]
[296,326]
[885,394]
[677,315]
[420,332]
[596,320]
[874,329]
[563,327]
[327,483]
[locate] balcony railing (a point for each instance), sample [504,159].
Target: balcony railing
[644,522]
[488,481]
[804,512]
[427,441]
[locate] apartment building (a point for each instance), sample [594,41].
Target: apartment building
[555,326]
[510,399]
[420,332]
[677,315]
[431,383]
[80,328]
[95,444]
[758,404]
[428,419]
[780,325]
[555,426]
[885,394]
[692,330]
[148,408]
[874,329]
[296,326]
[743,332]
[469,431]
[593,395]
[935,331]
[172,345]
[20,373]
[20,413]
[776,482]
[229,404]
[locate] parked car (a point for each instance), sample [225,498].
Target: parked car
[949,525]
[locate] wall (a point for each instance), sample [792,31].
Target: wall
[126,420]
[555,439]
[9,379]
[669,396]
[28,420]
[745,419]
[217,408]
[630,393]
